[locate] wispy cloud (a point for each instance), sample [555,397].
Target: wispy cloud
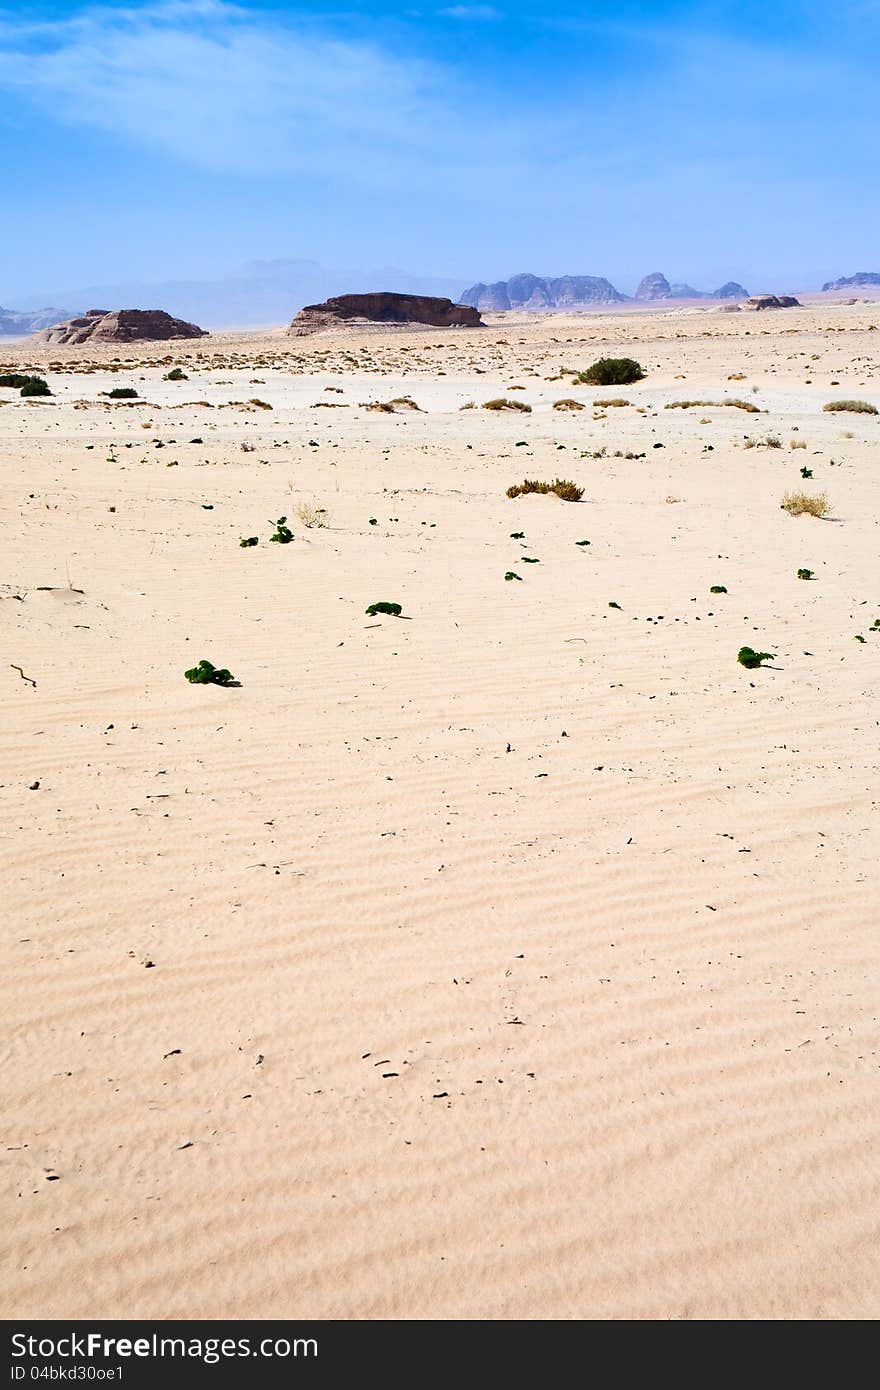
[469,12]
[239,91]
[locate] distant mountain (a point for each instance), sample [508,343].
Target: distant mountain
[731,291]
[16,323]
[260,294]
[656,286]
[539,292]
[863,279]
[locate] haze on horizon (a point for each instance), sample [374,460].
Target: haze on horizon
[181,139]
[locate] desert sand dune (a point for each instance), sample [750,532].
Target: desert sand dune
[512,959]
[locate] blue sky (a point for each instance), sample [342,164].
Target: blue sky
[182,138]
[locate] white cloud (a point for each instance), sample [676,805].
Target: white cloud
[470,12]
[233,91]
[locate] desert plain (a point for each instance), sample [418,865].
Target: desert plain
[511,958]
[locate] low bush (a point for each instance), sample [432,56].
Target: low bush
[123,393]
[560,487]
[176,375]
[567,403]
[610,371]
[35,387]
[855,407]
[503,403]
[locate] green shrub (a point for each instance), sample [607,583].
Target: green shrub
[25,385]
[392,609]
[176,375]
[123,393]
[249,540]
[207,674]
[510,575]
[283,534]
[805,574]
[717,589]
[751,659]
[611,371]
[35,387]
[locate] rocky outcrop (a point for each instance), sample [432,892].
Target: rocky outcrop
[17,323]
[383,307]
[654,286]
[530,292]
[863,279]
[772,301]
[120,326]
[731,290]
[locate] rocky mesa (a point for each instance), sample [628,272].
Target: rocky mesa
[120,326]
[542,292]
[383,306]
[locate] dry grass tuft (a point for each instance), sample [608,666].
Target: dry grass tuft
[567,404]
[856,407]
[806,504]
[615,400]
[312,516]
[503,403]
[560,487]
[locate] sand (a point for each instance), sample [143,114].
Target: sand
[514,959]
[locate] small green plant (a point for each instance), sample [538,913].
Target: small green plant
[123,393]
[176,375]
[510,575]
[374,521]
[517,535]
[612,604]
[207,674]
[806,472]
[859,638]
[717,589]
[563,488]
[752,659]
[283,534]
[856,407]
[610,371]
[528,560]
[582,542]
[249,540]
[392,609]
[805,574]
